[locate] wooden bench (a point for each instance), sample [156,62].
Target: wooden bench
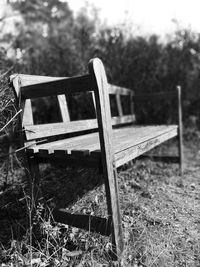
[103,148]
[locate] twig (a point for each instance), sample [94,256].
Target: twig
[6,105]
[22,148]
[5,73]
[10,120]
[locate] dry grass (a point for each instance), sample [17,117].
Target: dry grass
[160,213]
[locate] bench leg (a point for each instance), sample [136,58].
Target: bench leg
[180,130]
[34,182]
[180,148]
[114,213]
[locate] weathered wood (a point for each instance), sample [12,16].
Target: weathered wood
[28,114]
[133,152]
[63,108]
[57,87]
[86,222]
[113,89]
[123,138]
[53,129]
[119,105]
[99,82]
[123,119]
[180,129]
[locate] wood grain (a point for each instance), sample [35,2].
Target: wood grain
[63,108]
[180,129]
[113,89]
[57,87]
[123,138]
[100,85]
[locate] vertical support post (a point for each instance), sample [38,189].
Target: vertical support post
[180,129]
[26,118]
[100,85]
[34,182]
[119,105]
[132,103]
[63,108]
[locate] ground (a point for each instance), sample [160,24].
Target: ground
[160,213]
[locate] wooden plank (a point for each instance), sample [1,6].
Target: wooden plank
[28,114]
[133,152]
[119,105]
[63,108]
[86,222]
[114,89]
[57,87]
[53,129]
[180,129]
[26,79]
[123,138]
[123,119]
[99,82]
[132,104]
[155,96]
[94,103]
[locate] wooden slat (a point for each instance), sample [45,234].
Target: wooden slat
[119,105]
[28,114]
[99,82]
[86,222]
[123,138]
[132,103]
[133,152]
[113,89]
[94,103]
[57,87]
[53,129]
[63,108]
[26,79]
[123,119]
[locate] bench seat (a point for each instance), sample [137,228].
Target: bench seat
[128,143]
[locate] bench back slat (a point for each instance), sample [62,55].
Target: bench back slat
[28,87]
[63,108]
[57,87]
[33,132]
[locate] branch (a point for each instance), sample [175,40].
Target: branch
[22,148]
[10,120]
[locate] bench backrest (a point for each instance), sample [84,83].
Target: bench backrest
[28,87]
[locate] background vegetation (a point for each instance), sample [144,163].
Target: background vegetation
[47,39]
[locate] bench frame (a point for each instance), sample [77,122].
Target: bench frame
[96,82]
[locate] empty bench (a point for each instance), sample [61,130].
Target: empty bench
[105,142]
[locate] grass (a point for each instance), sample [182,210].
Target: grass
[160,213]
